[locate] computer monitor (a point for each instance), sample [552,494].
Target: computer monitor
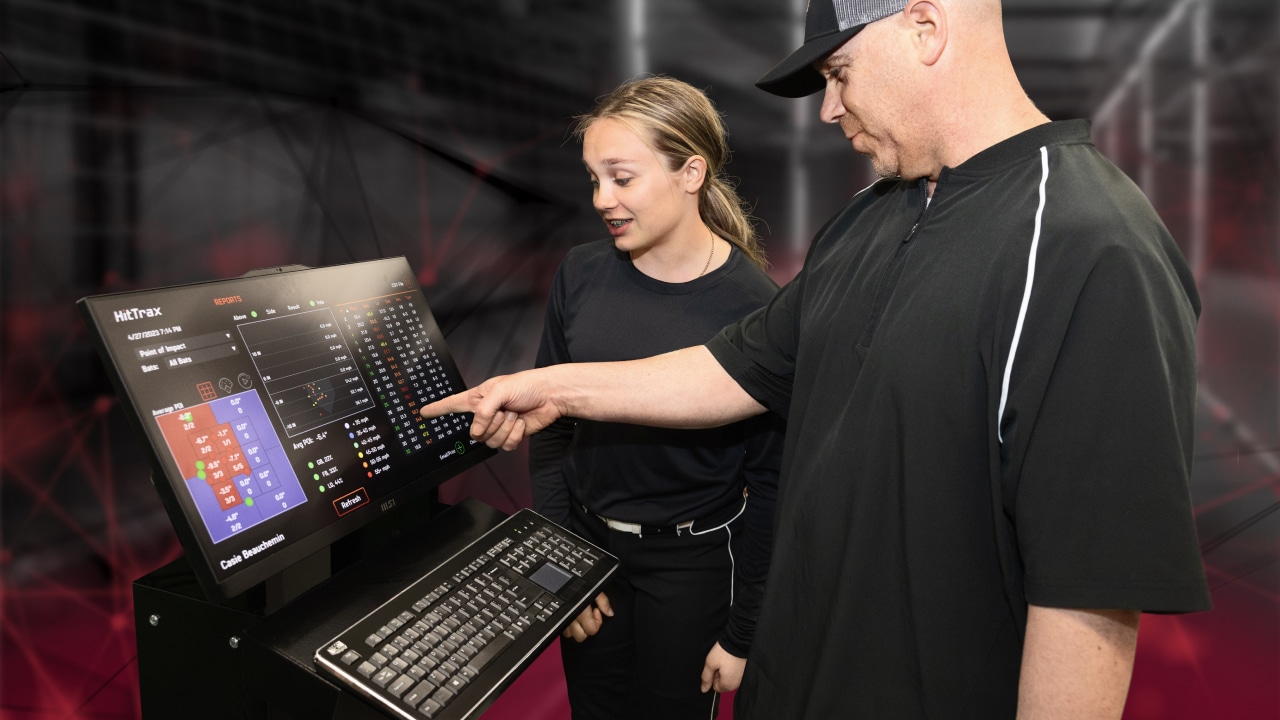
[280,410]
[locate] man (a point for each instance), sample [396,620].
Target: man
[988,369]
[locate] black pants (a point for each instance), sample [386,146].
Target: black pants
[670,601]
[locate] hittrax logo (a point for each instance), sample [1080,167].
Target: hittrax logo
[137,314]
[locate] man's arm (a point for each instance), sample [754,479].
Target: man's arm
[683,389]
[1076,663]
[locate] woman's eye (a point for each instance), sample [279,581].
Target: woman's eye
[622,181]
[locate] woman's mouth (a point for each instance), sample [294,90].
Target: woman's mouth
[617,227]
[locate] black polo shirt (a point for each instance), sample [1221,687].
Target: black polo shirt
[990,400]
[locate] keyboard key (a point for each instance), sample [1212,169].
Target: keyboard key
[420,692]
[490,651]
[402,683]
[443,695]
[384,676]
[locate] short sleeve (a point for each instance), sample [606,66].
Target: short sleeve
[759,352]
[1103,510]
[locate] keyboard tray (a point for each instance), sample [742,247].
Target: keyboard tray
[446,646]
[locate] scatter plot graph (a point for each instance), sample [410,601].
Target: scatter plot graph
[319,394]
[307,369]
[234,466]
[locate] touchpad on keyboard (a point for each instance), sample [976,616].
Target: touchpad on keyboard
[551,577]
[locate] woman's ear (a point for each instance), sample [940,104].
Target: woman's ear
[695,173]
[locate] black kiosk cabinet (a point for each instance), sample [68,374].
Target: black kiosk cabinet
[280,415]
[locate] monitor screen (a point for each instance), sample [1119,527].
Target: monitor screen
[280,409]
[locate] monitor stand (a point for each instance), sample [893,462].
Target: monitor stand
[199,659]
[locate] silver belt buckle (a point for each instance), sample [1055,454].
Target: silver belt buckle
[620,526]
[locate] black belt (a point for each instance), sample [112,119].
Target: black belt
[640,529]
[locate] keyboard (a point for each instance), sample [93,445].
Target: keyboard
[446,646]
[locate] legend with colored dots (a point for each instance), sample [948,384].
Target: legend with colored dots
[235,467]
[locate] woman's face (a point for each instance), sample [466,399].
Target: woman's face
[640,200]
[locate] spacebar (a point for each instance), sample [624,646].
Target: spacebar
[490,651]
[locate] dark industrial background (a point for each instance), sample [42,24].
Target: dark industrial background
[154,142]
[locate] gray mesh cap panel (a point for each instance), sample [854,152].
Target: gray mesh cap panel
[860,12]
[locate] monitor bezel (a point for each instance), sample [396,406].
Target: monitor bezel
[162,467]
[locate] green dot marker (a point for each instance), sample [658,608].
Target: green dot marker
[316,476]
[253,313]
[201,475]
[355,445]
[321,487]
[199,464]
[248,501]
[311,465]
[313,303]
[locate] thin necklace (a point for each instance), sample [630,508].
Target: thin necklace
[709,256]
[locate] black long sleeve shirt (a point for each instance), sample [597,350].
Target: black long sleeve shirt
[601,309]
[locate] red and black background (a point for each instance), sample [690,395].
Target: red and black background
[155,142]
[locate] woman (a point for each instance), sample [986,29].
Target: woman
[688,512]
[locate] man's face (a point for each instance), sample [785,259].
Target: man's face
[864,96]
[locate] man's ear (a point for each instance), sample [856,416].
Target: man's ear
[695,173]
[928,19]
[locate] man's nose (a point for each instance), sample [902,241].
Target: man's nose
[832,107]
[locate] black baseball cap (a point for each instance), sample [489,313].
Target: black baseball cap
[827,25]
